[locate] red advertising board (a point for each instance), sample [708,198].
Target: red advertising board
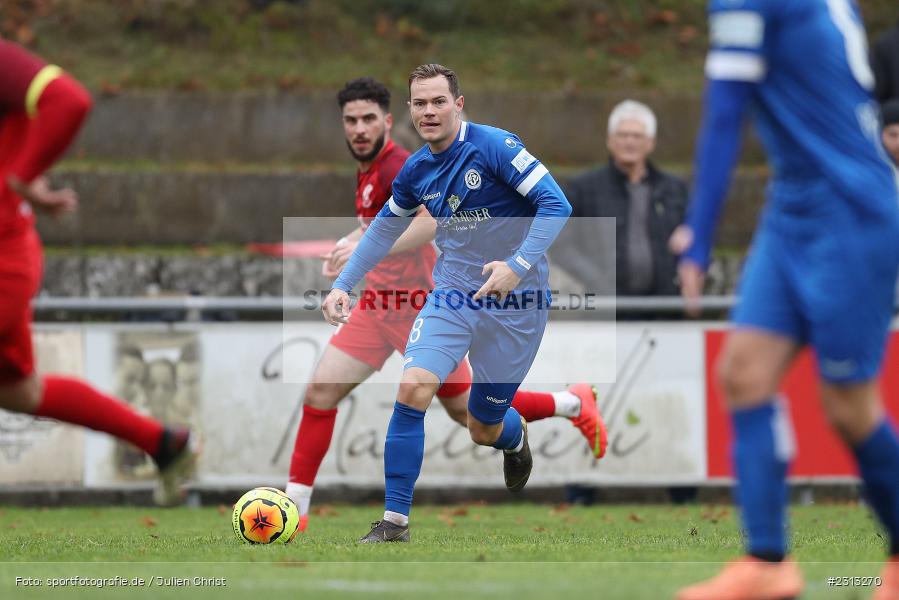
[819,451]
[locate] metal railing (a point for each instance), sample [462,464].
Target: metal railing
[196,307]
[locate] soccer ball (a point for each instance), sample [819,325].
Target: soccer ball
[265,515]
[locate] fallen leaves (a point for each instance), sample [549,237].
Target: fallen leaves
[325,510]
[713,515]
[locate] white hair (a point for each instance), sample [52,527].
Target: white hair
[631,109]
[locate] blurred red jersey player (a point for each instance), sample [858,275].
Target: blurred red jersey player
[41,110]
[385,314]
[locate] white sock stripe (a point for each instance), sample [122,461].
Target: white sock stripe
[782,426]
[396,518]
[300,494]
[567,404]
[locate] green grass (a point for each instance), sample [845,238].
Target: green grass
[472,551]
[528,45]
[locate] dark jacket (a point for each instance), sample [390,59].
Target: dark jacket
[885,63]
[589,256]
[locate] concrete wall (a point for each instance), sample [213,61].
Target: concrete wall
[221,207]
[557,126]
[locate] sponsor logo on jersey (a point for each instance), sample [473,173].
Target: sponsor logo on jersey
[496,400]
[433,196]
[522,262]
[470,218]
[522,160]
[472,179]
[510,143]
[366,196]
[454,202]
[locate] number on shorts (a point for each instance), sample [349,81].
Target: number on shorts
[416,330]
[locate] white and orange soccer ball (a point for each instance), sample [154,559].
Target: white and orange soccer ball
[265,515]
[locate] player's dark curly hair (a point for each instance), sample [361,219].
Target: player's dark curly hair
[434,70]
[365,88]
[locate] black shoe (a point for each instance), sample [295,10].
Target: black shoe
[385,531]
[517,465]
[176,459]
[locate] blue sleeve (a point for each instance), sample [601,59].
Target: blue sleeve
[736,63]
[716,155]
[513,164]
[379,237]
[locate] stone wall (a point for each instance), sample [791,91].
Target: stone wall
[141,275]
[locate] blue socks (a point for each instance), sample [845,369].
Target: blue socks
[878,463]
[763,447]
[403,453]
[512,431]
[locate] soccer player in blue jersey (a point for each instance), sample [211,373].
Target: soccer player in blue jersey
[821,270]
[498,210]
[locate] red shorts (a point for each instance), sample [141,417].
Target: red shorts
[20,276]
[369,338]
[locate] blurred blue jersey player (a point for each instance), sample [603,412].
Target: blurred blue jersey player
[822,266]
[498,210]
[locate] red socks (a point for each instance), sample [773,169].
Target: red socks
[313,440]
[73,401]
[534,406]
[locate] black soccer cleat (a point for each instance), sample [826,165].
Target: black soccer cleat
[176,459]
[385,531]
[517,466]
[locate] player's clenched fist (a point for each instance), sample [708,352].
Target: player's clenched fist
[336,307]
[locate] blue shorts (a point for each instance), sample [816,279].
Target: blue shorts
[828,284]
[501,344]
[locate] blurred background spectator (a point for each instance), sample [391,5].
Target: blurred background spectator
[890,133]
[646,202]
[885,62]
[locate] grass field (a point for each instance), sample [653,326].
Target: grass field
[312,44]
[473,551]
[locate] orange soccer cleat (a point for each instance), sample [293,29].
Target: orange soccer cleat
[889,581]
[589,421]
[749,579]
[304,522]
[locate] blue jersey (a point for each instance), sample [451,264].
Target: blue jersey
[800,68]
[493,201]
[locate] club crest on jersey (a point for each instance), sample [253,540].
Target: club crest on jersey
[366,195]
[472,180]
[453,202]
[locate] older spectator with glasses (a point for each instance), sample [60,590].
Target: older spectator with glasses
[647,203]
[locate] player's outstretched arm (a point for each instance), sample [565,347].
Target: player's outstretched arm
[375,244]
[716,156]
[422,230]
[553,211]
